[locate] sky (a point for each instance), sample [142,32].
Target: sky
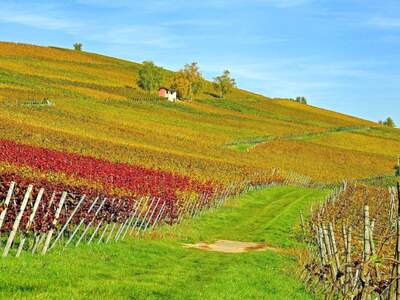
[340,54]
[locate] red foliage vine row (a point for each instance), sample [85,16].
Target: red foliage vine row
[139,180]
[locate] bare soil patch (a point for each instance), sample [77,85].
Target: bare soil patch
[227,246]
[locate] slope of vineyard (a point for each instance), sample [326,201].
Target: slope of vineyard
[97,111]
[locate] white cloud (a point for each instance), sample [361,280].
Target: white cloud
[38,17]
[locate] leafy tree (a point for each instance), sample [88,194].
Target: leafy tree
[78,47]
[388,122]
[224,83]
[188,82]
[181,84]
[302,100]
[150,76]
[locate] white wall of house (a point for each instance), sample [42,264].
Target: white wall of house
[171,96]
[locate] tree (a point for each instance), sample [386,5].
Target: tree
[302,100]
[78,47]
[188,82]
[150,76]
[181,84]
[224,83]
[388,123]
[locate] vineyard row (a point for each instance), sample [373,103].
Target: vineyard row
[34,220]
[354,244]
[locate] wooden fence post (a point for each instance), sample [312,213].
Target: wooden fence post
[348,278]
[95,231]
[80,223]
[152,214]
[158,216]
[30,221]
[145,216]
[138,216]
[54,223]
[141,213]
[39,238]
[6,203]
[68,221]
[17,221]
[133,217]
[110,233]
[91,222]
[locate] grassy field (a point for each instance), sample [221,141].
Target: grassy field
[158,267]
[92,114]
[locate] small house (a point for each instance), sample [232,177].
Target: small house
[170,94]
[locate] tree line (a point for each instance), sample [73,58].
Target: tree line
[188,82]
[388,123]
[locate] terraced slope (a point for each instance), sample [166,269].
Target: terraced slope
[93,114]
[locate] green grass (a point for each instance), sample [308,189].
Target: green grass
[245,144]
[161,269]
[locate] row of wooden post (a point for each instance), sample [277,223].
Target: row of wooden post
[336,275]
[138,221]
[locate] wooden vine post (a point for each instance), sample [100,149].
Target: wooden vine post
[81,222]
[6,203]
[68,221]
[54,224]
[30,221]
[91,222]
[17,221]
[136,209]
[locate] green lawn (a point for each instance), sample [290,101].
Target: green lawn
[154,268]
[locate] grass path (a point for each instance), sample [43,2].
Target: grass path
[248,144]
[162,269]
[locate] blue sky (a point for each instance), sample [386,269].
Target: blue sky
[341,54]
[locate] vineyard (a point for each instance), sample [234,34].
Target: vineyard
[354,242]
[36,218]
[87,157]
[98,110]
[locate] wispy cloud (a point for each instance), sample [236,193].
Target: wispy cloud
[314,77]
[153,36]
[385,22]
[58,18]
[40,16]
[180,4]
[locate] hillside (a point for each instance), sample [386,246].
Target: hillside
[94,114]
